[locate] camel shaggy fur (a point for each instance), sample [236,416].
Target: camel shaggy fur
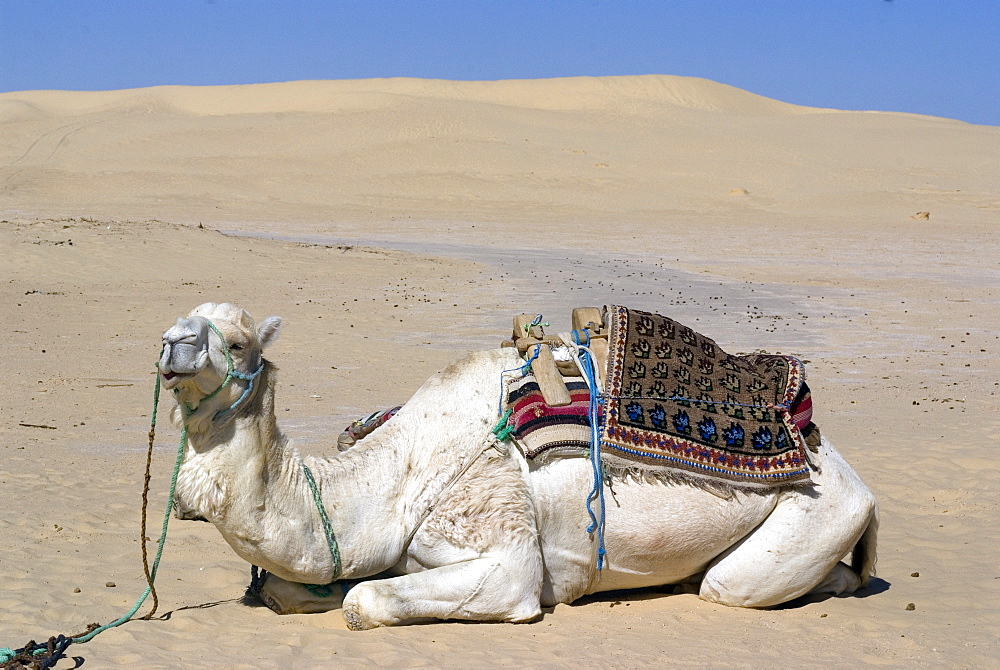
[435,520]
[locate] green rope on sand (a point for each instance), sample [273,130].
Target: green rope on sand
[159,551]
[6,653]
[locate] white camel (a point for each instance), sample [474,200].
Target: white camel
[438,522]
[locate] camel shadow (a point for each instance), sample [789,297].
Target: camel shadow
[619,598]
[624,598]
[874,587]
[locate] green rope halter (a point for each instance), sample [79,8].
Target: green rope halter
[231,373]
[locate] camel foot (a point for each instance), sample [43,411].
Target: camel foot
[354,620]
[361,609]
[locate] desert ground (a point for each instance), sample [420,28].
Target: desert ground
[395,224]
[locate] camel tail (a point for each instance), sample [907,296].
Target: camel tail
[864,555]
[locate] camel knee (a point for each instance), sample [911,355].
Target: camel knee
[865,552]
[733,595]
[504,593]
[522,604]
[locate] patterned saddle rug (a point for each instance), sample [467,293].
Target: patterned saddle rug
[676,406]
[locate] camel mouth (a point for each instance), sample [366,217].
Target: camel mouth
[172,379]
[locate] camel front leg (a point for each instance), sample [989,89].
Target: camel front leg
[488,588]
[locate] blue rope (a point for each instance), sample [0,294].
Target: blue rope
[527,366]
[597,492]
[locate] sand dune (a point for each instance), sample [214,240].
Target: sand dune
[763,224]
[566,94]
[593,150]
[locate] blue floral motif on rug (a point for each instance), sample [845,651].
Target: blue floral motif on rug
[674,399]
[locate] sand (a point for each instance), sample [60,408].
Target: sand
[397,223]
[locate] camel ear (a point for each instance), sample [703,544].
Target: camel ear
[268,330]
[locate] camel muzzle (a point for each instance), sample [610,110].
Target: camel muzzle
[185,349]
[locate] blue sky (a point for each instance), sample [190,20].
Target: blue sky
[939,57]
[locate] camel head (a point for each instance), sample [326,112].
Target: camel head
[215,352]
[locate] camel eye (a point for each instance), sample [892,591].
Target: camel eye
[236,346]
